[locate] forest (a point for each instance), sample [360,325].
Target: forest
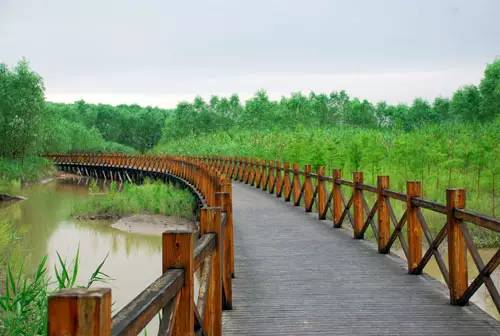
[446,142]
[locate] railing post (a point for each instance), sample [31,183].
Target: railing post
[413,189]
[210,223]
[359,213]
[264,177]
[258,173]
[384,228]
[228,207]
[296,184]
[80,312]
[286,181]
[321,193]
[270,183]
[242,167]
[308,193]
[337,199]
[177,252]
[457,249]
[279,180]
[226,254]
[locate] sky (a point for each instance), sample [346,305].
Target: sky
[162,52]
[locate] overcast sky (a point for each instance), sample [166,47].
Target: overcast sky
[161,52]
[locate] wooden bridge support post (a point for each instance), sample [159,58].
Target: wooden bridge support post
[413,189]
[457,249]
[210,223]
[296,185]
[177,252]
[359,211]
[337,199]
[321,193]
[80,312]
[308,192]
[384,228]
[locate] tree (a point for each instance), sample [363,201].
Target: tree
[465,104]
[441,109]
[22,109]
[490,91]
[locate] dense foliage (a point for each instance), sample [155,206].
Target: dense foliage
[132,126]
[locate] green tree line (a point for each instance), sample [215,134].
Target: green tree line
[468,104]
[31,126]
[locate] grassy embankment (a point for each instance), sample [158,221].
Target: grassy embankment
[152,197]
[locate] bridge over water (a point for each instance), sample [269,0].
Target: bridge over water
[294,274]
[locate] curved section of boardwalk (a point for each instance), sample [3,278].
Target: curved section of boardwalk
[296,275]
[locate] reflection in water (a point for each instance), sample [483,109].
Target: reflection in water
[44,225]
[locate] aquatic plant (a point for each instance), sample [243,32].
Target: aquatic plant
[23,303]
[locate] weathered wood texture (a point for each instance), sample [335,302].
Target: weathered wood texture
[299,276]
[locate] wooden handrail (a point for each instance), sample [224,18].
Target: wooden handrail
[88,311]
[297,186]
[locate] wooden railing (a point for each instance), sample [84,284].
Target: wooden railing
[210,249]
[325,195]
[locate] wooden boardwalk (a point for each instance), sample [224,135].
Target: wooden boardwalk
[296,275]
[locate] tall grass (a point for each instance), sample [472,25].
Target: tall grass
[440,156]
[23,302]
[152,197]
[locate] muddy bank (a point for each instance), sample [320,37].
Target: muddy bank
[10,198]
[151,224]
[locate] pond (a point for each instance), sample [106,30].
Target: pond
[44,227]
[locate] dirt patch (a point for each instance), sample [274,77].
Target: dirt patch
[151,224]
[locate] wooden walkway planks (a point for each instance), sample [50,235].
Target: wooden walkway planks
[296,275]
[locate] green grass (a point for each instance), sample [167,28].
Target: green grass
[152,197]
[23,303]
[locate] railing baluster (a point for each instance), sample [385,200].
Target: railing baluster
[337,199]
[413,189]
[320,185]
[177,252]
[384,221]
[457,250]
[358,205]
[307,187]
[210,223]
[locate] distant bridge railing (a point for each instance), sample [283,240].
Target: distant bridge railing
[209,249]
[325,195]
